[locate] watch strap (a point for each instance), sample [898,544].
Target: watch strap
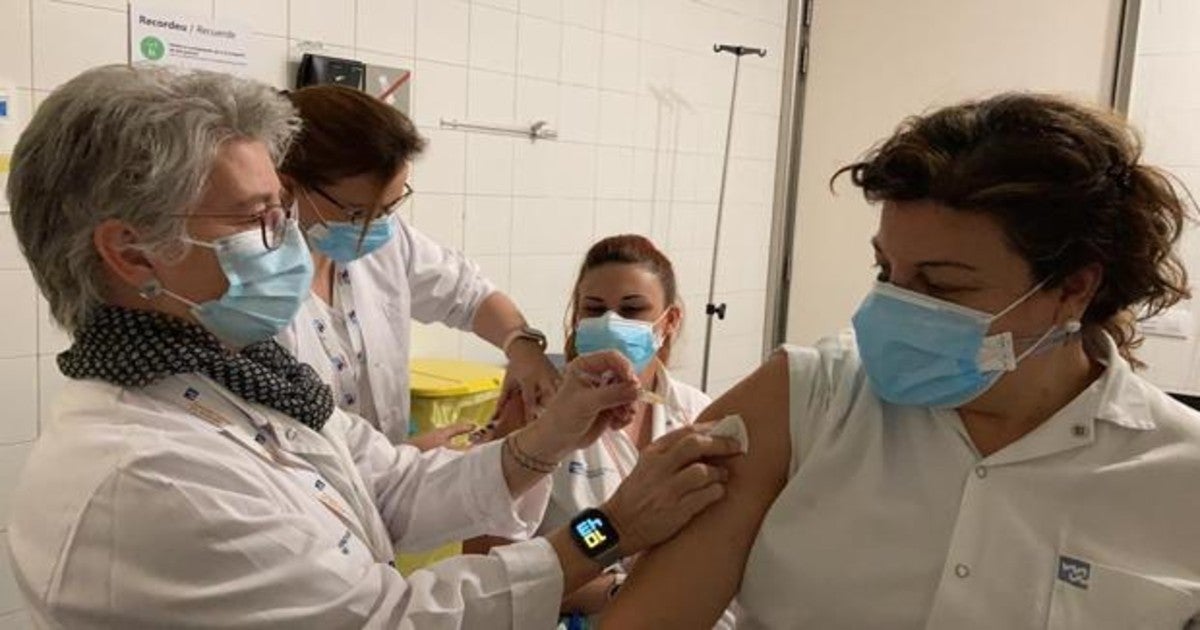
[524,332]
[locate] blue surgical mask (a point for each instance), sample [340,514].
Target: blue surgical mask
[266,287]
[342,241]
[633,338]
[921,351]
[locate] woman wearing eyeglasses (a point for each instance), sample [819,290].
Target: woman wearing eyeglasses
[348,172]
[193,474]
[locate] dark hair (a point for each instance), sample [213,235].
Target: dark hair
[347,133]
[1062,180]
[626,249]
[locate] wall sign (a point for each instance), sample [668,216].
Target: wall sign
[159,36]
[390,85]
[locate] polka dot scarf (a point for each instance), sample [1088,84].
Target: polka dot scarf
[133,348]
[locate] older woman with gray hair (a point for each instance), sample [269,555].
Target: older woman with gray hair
[194,474]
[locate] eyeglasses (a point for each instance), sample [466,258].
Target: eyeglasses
[358,213]
[272,222]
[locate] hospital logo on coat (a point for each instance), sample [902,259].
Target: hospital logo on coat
[579,468]
[1074,572]
[589,531]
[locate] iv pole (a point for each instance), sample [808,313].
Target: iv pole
[711,308]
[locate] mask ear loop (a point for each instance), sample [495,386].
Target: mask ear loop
[191,241]
[153,288]
[150,289]
[660,340]
[665,312]
[1068,329]
[997,351]
[320,217]
[318,230]
[1021,300]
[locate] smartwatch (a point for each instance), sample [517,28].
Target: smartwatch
[596,537]
[525,332]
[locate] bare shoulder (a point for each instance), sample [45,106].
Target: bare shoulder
[689,580]
[761,399]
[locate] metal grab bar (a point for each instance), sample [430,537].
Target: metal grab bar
[538,130]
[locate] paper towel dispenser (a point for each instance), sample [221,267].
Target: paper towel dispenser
[320,69]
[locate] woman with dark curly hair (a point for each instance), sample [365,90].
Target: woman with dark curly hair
[979,452]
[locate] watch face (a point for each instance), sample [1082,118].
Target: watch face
[594,533]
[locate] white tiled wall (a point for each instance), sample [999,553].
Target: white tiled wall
[639,102]
[1164,101]
[19,347]
[637,96]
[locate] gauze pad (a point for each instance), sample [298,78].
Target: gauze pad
[731,427]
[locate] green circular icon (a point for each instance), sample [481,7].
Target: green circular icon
[153,48]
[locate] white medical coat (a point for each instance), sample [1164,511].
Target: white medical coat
[410,277]
[589,476]
[892,519]
[182,506]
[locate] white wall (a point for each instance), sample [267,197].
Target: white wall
[876,61]
[632,86]
[640,103]
[1164,100]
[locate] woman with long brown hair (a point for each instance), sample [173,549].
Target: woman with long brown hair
[625,299]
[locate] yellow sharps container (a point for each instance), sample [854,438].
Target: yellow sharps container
[444,392]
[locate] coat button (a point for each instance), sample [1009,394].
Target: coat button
[962,570]
[290,433]
[981,471]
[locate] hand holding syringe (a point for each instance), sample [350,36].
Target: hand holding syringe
[597,393]
[609,377]
[507,419]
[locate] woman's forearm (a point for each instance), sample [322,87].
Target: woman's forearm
[577,569]
[496,318]
[591,597]
[529,454]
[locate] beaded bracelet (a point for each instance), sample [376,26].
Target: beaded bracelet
[525,460]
